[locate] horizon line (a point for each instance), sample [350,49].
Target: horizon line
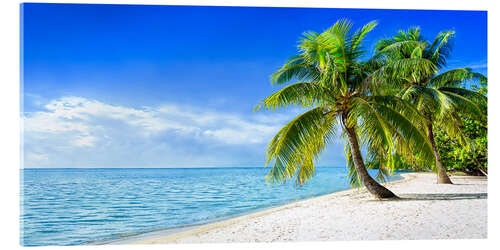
[163,167]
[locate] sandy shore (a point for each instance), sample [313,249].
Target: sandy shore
[426,211]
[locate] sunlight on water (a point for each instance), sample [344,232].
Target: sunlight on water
[82,206]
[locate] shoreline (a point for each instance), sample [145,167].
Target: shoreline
[172,234]
[425,211]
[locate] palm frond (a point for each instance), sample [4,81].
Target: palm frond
[298,144]
[441,48]
[473,96]
[400,49]
[296,68]
[466,106]
[411,70]
[408,139]
[302,94]
[456,77]
[352,176]
[356,39]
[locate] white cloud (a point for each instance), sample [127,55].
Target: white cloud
[37,157]
[234,136]
[76,130]
[85,141]
[453,64]
[478,66]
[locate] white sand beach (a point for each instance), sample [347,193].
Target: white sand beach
[425,211]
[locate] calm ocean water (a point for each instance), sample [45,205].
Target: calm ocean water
[85,206]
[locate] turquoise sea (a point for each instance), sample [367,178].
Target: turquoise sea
[91,206]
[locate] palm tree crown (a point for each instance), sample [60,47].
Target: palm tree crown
[413,68]
[331,83]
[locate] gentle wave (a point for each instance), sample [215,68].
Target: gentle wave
[84,206]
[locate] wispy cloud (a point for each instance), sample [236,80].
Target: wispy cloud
[483,64]
[478,66]
[82,132]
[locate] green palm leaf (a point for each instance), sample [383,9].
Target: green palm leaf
[298,144]
[456,78]
[302,94]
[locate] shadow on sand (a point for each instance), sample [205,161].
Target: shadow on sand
[453,196]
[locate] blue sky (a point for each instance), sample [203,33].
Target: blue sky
[174,86]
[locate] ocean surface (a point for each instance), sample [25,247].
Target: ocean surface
[91,206]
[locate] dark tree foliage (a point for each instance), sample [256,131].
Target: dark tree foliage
[472,160]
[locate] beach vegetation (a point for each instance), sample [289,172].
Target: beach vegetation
[415,70]
[329,79]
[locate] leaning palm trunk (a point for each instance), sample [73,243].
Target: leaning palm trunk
[332,85]
[371,185]
[442,177]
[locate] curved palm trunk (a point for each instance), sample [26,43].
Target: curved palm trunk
[373,187]
[442,177]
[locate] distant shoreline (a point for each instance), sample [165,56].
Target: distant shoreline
[169,168]
[419,209]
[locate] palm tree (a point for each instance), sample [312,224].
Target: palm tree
[331,85]
[414,67]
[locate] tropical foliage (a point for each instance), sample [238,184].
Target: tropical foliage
[458,158]
[331,82]
[403,106]
[413,70]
